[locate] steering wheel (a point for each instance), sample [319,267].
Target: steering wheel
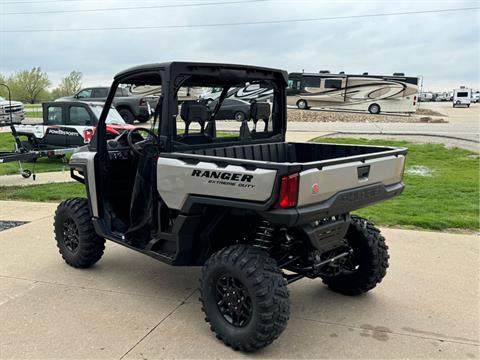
[137,147]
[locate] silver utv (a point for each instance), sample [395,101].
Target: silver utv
[255,211]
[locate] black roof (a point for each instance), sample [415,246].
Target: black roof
[353,75]
[178,65]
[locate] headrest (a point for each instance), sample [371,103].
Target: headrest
[192,111]
[260,111]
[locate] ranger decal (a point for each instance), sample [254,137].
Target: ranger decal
[225,178]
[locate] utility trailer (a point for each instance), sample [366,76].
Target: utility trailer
[68,124]
[255,211]
[65,126]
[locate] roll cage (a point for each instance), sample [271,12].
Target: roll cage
[172,76]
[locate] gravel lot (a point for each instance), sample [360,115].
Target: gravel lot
[343,116]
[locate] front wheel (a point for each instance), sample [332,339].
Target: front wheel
[239,116]
[374,109]
[77,241]
[244,297]
[368,264]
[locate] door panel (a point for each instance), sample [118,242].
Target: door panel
[54,127]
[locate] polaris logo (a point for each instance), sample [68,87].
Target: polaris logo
[222,175]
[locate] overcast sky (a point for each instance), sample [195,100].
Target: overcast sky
[443,47]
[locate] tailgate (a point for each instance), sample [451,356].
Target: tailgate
[319,184]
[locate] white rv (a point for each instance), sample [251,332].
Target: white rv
[373,93]
[462,96]
[252,91]
[425,97]
[475,96]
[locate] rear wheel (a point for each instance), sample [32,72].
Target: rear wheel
[374,109]
[302,105]
[244,297]
[368,264]
[127,115]
[77,241]
[26,173]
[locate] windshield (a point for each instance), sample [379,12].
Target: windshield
[2,99]
[113,116]
[246,108]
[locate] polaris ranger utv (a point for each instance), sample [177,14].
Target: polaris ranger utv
[255,211]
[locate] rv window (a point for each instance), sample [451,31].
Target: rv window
[311,81]
[333,84]
[294,84]
[462,94]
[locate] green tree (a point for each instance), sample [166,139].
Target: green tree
[69,85]
[29,85]
[3,89]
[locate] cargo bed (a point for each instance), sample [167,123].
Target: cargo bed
[332,178]
[307,154]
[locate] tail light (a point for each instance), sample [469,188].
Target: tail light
[288,192]
[142,102]
[414,100]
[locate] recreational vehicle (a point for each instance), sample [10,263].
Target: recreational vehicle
[253,91]
[425,97]
[373,93]
[462,97]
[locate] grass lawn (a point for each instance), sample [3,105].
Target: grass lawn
[442,189]
[44,192]
[446,198]
[42,165]
[33,110]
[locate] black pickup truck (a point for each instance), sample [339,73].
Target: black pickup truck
[130,107]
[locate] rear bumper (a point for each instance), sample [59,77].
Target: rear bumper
[342,202]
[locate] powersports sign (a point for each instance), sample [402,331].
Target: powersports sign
[62,132]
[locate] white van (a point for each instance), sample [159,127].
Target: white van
[462,96]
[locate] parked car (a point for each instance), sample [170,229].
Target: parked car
[130,107]
[69,124]
[255,211]
[231,109]
[15,108]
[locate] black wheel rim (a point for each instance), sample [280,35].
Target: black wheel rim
[233,300]
[70,235]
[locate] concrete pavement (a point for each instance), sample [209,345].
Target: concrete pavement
[129,306]
[41,178]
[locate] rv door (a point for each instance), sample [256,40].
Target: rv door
[334,89]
